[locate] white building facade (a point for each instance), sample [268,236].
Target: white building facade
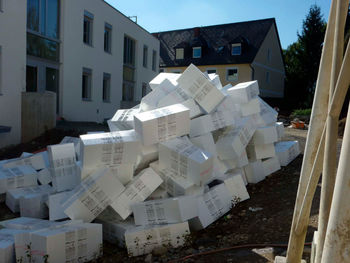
[92,56]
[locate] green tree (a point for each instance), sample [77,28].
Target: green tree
[302,59]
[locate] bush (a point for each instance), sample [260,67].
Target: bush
[301,112]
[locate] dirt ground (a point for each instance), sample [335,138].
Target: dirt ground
[262,220]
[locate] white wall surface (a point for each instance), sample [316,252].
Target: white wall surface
[12,67]
[75,55]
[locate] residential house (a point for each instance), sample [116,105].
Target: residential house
[92,56]
[237,52]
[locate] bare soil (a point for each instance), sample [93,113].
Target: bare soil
[264,219]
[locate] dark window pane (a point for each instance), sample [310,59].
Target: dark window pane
[43,17]
[43,48]
[31,79]
[33,15]
[52,18]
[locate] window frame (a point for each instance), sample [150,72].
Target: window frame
[154,60]
[129,51]
[227,74]
[108,28]
[176,53]
[267,77]
[88,17]
[1,75]
[211,69]
[108,77]
[87,72]
[145,56]
[236,45]
[193,51]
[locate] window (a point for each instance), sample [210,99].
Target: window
[88,24]
[1,9]
[128,91]
[161,70]
[267,77]
[129,51]
[144,89]
[129,69]
[108,38]
[179,53]
[145,55]
[42,48]
[236,49]
[211,71]
[268,55]
[86,84]
[154,60]
[232,74]
[106,86]
[197,52]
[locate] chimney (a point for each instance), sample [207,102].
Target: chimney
[196,31]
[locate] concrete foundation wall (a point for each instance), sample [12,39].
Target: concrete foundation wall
[38,114]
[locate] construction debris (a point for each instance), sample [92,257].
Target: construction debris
[173,164]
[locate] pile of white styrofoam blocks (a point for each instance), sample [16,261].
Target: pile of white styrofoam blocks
[173,164]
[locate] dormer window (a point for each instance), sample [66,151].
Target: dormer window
[179,53]
[197,52]
[236,49]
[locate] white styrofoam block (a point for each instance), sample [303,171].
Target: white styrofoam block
[123,119]
[109,149]
[172,77]
[56,210]
[61,155]
[65,178]
[186,160]
[267,115]
[232,144]
[205,142]
[70,243]
[211,206]
[215,79]
[33,223]
[37,161]
[251,107]
[165,211]
[265,135]
[227,165]
[136,191]
[33,204]
[243,92]
[254,172]
[92,196]
[143,240]
[287,151]
[147,155]
[271,165]
[178,95]
[16,177]
[211,122]
[113,228]
[75,141]
[162,124]
[228,104]
[260,151]
[13,195]
[175,185]
[198,87]
[151,100]
[44,176]
[280,130]
[159,193]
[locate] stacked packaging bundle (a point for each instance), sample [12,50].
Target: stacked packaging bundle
[173,164]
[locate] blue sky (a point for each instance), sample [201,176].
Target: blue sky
[164,15]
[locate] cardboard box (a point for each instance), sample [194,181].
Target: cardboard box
[143,240]
[162,124]
[233,143]
[211,122]
[186,160]
[33,204]
[260,151]
[172,77]
[271,165]
[56,210]
[243,92]
[175,185]
[19,176]
[136,191]
[109,149]
[92,196]
[37,161]
[198,87]
[251,107]
[211,206]
[123,120]
[13,195]
[265,135]
[151,100]
[280,130]
[71,243]
[254,172]
[165,211]
[287,151]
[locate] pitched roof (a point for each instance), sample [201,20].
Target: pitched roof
[216,43]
